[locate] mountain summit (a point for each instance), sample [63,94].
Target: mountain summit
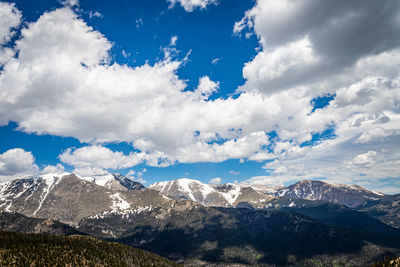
[227,195]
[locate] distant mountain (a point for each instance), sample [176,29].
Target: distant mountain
[386,209]
[69,198]
[348,195]
[15,222]
[18,249]
[114,181]
[360,223]
[306,193]
[227,195]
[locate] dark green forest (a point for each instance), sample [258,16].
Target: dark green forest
[21,249]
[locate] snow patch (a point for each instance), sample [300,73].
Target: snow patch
[51,180]
[118,203]
[101,179]
[123,213]
[233,194]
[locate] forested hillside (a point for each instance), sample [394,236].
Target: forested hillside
[21,249]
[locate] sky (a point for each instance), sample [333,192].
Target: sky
[249,91]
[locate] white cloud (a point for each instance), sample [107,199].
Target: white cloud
[216,180]
[136,176]
[206,87]
[337,36]
[335,52]
[17,163]
[99,157]
[89,171]
[216,60]
[243,147]
[92,98]
[267,180]
[53,169]
[95,14]
[367,159]
[267,66]
[70,3]
[190,5]
[173,40]
[66,60]
[10,18]
[233,172]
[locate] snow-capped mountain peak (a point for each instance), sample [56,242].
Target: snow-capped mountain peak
[349,195]
[185,188]
[226,195]
[113,181]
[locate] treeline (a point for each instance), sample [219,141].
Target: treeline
[19,249]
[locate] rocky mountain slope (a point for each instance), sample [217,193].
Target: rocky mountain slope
[114,181]
[226,195]
[386,209]
[190,221]
[230,195]
[69,198]
[15,222]
[306,193]
[348,195]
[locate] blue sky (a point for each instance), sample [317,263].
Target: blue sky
[247,91]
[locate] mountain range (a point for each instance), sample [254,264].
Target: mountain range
[195,223]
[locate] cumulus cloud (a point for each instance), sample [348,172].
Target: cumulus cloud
[92,98]
[70,3]
[10,18]
[344,50]
[89,171]
[334,38]
[137,176]
[190,5]
[53,169]
[17,163]
[216,180]
[62,58]
[99,157]
[233,172]
[206,87]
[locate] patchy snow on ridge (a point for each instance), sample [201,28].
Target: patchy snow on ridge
[200,192]
[118,203]
[100,179]
[232,194]
[51,180]
[123,213]
[188,184]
